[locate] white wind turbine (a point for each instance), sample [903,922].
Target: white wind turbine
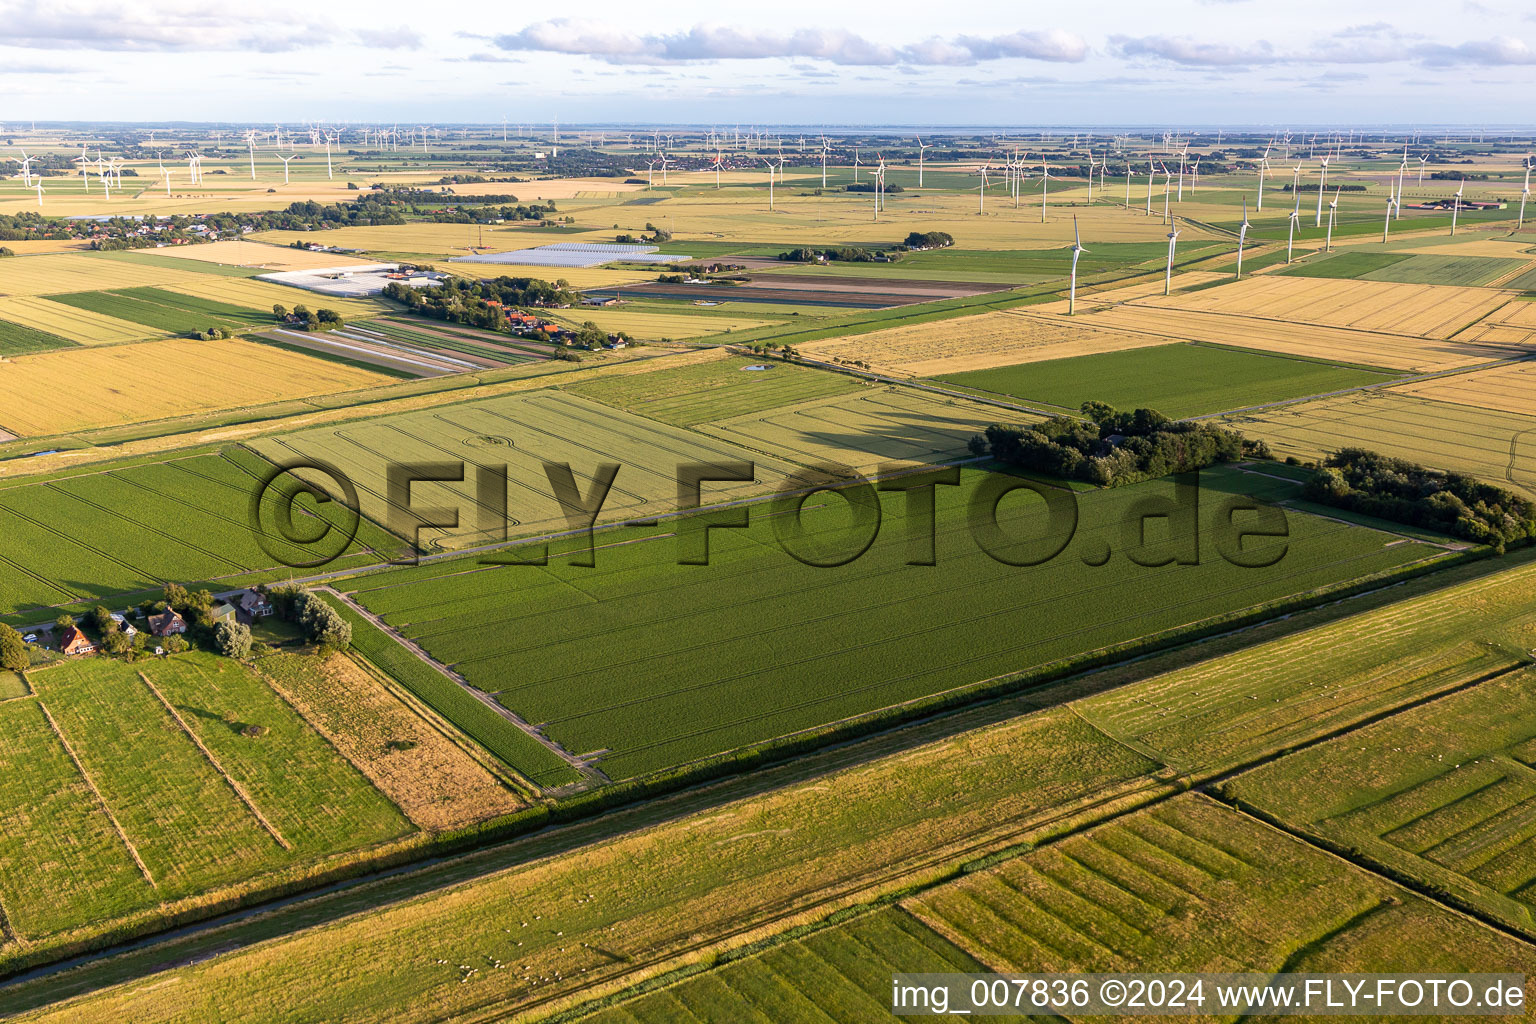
[1525,193]
[1291,238]
[1456,207]
[1090,176]
[1242,235]
[1151,177]
[921,149]
[1173,240]
[329,139]
[1194,176]
[1392,201]
[1045,187]
[1333,212]
[85,174]
[26,170]
[1127,185]
[824,147]
[769,164]
[650,172]
[1077,250]
[1402,169]
[1322,180]
[718,162]
[855,165]
[250,141]
[981,193]
[880,186]
[1183,162]
[1422,161]
[285,160]
[38,184]
[1167,184]
[1263,167]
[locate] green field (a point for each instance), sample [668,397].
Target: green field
[1346,264]
[757,645]
[1191,885]
[16,340]
[532,759]
[116,531]
[166,310]
[1444,793]
[1459,270]
[1178,380]
[131,786]
[691,395]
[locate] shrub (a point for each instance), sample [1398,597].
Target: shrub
[233,639]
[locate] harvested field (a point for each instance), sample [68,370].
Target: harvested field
[582,278]
[1336,344]
[548,188]
[422,771]
[889,286]
[261,295]
[430,239]
[90,387]
[78,325]
[242,253]
[1504,388]
[762,293]
[976,342]
[1507,248]
[78,272]
[1425,311]
[1499,447]
[655,326]
[1089,299]
[1514,324]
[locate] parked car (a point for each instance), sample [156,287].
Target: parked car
[30,638]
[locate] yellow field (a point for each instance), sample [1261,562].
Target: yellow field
[33,246]
[58,273]
[1391,351]
[1507,388]
[1422,310]
[977,342]
[79,388]
[242,253]
[1501,248]
[1513,324]
[1498,447]
[1087,300]
[78,325]
[441,239]
[546,188]
[576,277]
[654,326]
[262,295]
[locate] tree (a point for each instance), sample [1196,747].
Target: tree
[64,623]
[279,310]
[233,639]
[101,620]
[13,649]
[118,644]
[175,644]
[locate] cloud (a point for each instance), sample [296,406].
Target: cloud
[179,28]
[1360,44]
[835,46]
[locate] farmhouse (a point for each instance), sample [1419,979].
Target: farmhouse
[223,611]
[254,604]
[167,623]
[74,642]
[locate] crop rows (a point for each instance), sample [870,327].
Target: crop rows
[164,310]
[701,392]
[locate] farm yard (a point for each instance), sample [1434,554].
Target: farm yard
[1177,380]
[78,388]
[497,625]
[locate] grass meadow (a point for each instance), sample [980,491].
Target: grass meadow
[1177,380]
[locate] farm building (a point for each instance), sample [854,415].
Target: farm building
[254,604]
[223,611]
[167,623]
[74,642]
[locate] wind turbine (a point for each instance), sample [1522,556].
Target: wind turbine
[38,184]
[1525,194]
[1090,175]
[250,141]
[1194,176]
[1386,224]
[1402,169]
[824,146]
[855,165]
[1456,207]
[921,149]
[650,168]
[1333,210]
[1422,161]
[1045,187]
[769,164]
[718,162]
[1183,158]
[1167,182]
[285,160]
[1151,176]
[1291,238]
[1263,166]
[26,169]
[1322,179]
[1127,185]
[880,186]
[329,175]
[1173,240]
[1077,250]
[981,193]
[1242,234]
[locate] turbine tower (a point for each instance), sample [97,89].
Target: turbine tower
[1077,250]
[1322,180]
[1242,234]
[921,149]
[1456,207]
[1333,211]
[1290,240]
[285,160]
[1392,201]
[1525,193]
[1045,187]
[1173,240]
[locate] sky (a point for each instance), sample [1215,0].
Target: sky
[791,62]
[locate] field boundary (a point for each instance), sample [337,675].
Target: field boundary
[101,800]
[239,790]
